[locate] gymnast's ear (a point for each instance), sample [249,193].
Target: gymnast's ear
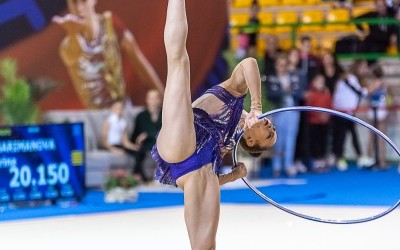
[249,140]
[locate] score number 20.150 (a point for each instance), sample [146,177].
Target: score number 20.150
[51,174]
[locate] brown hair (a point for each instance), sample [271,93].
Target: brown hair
[254,151]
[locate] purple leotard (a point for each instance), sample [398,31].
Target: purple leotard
[213,133]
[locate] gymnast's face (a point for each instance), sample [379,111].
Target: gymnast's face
[82,8]
[261,136]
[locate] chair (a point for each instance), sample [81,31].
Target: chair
[261,45]
[285,17]
[361,10]
[312,16]
[268,3]
[292,2]
[311,2]
[241,3]
[266,18]
[339,15]
[286,43]
[239,19]
[328,43]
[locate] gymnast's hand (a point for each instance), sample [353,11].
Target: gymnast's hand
[251,119]
[239,170]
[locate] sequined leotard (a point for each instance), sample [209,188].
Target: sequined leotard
[215,123]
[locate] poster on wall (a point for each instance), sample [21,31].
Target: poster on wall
[42,162]
[21,18]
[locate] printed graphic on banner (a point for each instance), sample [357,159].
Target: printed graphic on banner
[20,18]
[42,162]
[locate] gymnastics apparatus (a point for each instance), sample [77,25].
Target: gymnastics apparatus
[331,112]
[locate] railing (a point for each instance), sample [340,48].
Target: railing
[359,21]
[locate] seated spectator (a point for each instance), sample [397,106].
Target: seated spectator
[147,125]
[114,133]
[377,37]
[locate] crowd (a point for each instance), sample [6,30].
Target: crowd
[311,141]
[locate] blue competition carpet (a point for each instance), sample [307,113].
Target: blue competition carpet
[321,189]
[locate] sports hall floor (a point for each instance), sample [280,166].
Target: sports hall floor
[156,221]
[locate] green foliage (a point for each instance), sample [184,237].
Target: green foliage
[120,178]
[16,104]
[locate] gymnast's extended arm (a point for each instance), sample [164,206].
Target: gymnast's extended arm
[238,172]
[246,77]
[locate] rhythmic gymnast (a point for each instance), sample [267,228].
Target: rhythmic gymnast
[195,136]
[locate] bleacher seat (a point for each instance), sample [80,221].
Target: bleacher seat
[292,2]
[312,16]
[312,2]
[338,15]
[239,19]
[261,46]
[265,19]
[267,3]
[361,10]
[286,43]
[241,3]
[328,43]
[285,17]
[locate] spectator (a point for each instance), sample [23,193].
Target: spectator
[272,50]
[377,115]
[241,51]
[253,29]
[310,64]
[114,135]
[284,90]
[309,67]
[319,96]
[331,70]
[91,52]
[147,124]
[346,98]
[378,36]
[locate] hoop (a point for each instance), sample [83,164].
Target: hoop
[332,112]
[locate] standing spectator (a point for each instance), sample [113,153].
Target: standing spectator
[346,98]
[91,51]
[253,29]
[114,135]
[309,66]
[319,96]
[331,70]
[283,90]
[377,115]
[272,50]
[378,36]
[147,124]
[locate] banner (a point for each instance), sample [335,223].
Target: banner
[20,18]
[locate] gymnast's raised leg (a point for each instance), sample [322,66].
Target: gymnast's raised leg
[177,140]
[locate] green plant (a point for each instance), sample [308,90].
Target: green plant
[120,178]
[16,104]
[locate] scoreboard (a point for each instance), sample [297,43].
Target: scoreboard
[42,162]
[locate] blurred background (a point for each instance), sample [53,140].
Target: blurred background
[342,55]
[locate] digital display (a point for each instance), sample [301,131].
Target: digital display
[42,162]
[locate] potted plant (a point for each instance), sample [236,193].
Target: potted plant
[18,103]
[121,186]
